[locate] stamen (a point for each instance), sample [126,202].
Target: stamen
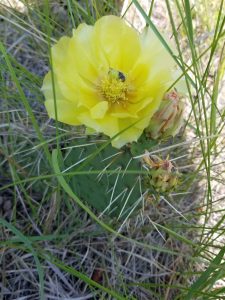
[114,87]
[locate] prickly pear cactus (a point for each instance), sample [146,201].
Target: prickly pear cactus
[107,186]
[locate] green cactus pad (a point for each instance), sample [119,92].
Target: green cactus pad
[116,194]
[144,143]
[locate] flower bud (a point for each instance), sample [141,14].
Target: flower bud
[162,175]
[168,119]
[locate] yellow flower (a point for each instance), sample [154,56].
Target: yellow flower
[108,77]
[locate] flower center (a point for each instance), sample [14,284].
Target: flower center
[114,87]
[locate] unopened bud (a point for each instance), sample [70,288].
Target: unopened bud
[168,119]
[162,175]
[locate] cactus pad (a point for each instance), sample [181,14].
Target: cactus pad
[116,193]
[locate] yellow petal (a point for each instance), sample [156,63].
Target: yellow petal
[60,50]
[99,110]
[62,90]
[146,113]
[122,112]
[154,52]
[139,73]
[129,135]
[88,96]
[119,42]
[74,64]
[81,52]
[159,62]
[107,125]
[123,115]
[66,111]
[138,105]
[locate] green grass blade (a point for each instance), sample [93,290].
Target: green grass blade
[203,280]
[25,102]
[189,20]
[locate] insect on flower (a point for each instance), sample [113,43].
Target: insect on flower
[117,74]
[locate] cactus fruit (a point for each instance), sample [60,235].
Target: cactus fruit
[162,174]
[168,119]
